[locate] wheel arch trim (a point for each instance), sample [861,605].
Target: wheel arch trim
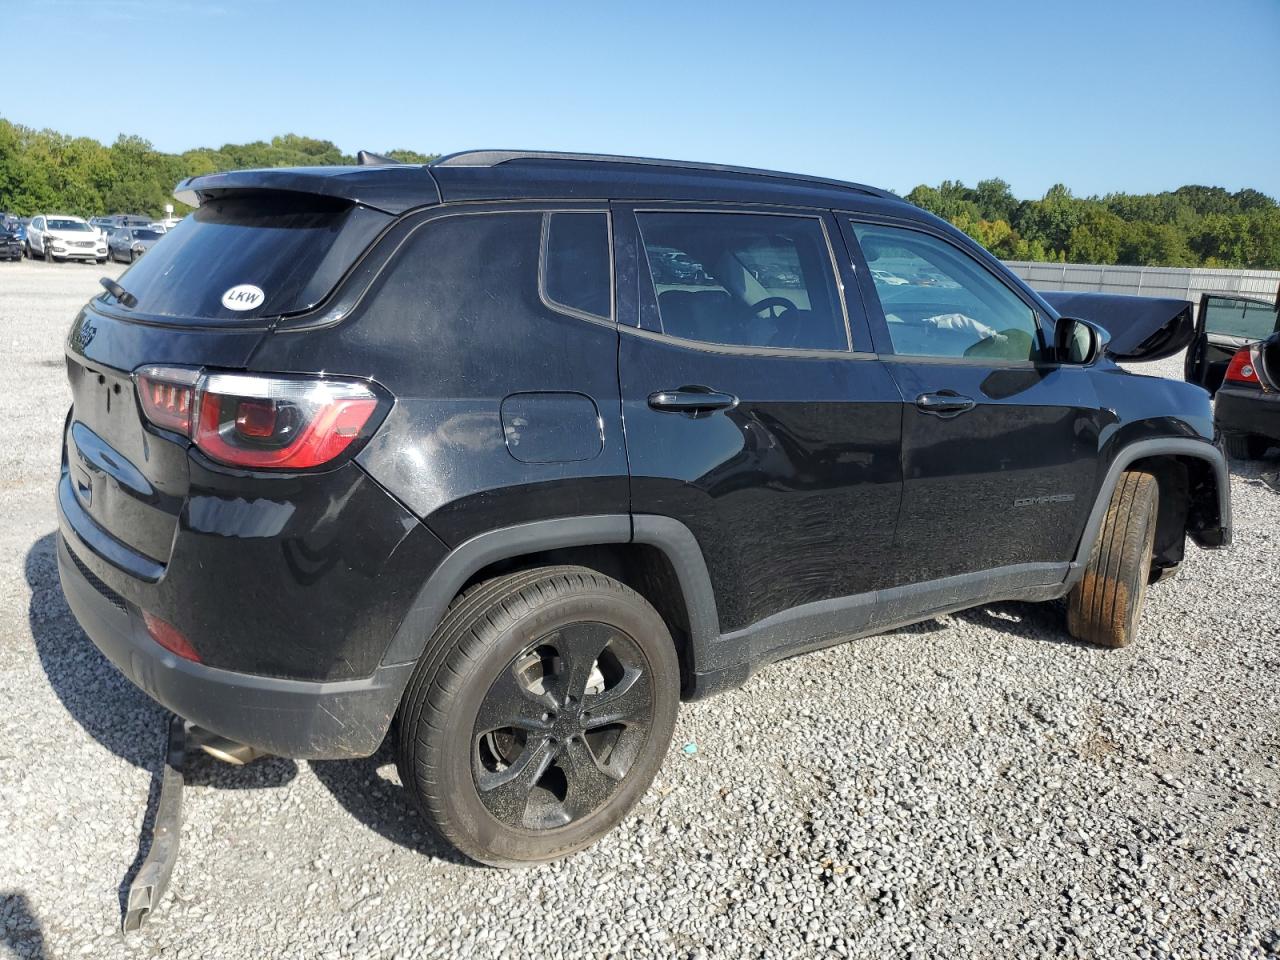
[670,536]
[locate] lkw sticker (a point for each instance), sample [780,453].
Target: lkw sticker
[244,296]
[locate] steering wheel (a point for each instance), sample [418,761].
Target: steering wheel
[770,303]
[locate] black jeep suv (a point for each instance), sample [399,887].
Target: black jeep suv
[509,453]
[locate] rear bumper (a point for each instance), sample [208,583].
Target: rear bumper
[1252,412]
[302,719]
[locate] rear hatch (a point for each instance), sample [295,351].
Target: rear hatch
[204,297]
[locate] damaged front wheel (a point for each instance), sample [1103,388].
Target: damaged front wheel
[1104,607]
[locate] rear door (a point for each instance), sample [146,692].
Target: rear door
[1224,325]
[1000,447]
[754,413]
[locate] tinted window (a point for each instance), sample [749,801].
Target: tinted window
[294,248]
[576,262]
[146,235]
[1247,319]
[940,302]
[744,280]
[71,225]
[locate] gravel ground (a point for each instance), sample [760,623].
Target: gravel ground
[977,785]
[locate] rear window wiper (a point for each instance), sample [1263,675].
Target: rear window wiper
[123,296]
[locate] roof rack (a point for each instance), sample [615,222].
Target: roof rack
[492,158]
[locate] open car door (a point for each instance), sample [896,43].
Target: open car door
[1226,323]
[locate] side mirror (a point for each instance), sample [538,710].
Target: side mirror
[1079,341]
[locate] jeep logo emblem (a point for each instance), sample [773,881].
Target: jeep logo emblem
[81,334]
[245,296]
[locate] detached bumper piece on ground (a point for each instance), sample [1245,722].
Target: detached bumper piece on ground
[152,880]
[149,886]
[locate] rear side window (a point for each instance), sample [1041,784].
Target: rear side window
[742,279]
[940,302]
[575,268]
[266,254]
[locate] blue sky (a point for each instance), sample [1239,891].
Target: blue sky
[1132,95]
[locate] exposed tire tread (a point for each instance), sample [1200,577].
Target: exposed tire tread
[1104,607]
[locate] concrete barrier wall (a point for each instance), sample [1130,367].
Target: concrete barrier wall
[1187,283]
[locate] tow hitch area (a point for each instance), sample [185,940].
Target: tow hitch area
[152,880]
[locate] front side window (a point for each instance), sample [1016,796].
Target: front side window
[576,263]
[747,280]
[940,302]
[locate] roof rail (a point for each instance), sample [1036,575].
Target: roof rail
[492,158]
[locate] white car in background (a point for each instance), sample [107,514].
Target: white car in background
[884,276]
[58,236]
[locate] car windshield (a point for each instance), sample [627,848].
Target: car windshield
[72,225]
[146,235]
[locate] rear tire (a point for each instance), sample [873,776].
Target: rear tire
[1105,606]
[538,714]
[1245,446]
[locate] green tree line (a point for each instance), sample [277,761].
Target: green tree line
[1192,226]
[43,171]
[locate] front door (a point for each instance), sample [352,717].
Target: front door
[1000,448]
[753,412]
[1225,324]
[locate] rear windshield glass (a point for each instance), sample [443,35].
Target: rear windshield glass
[251,256]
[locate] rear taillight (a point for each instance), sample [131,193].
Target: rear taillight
[1244,367]
[168,396]
[260,422]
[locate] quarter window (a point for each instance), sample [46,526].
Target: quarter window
[744,280]
[576,263]
[940,302]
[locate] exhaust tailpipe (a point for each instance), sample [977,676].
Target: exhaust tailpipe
[220,748]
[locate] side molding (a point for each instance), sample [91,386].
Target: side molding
[1140,450]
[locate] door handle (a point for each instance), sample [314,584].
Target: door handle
[691,400]
[945,403]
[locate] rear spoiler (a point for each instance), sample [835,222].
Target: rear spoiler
[391,188]
[1141,328]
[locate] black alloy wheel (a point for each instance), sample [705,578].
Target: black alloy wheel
[561,726]
[538,714]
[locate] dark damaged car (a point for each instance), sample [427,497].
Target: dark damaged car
[506,455]
[1236,356]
